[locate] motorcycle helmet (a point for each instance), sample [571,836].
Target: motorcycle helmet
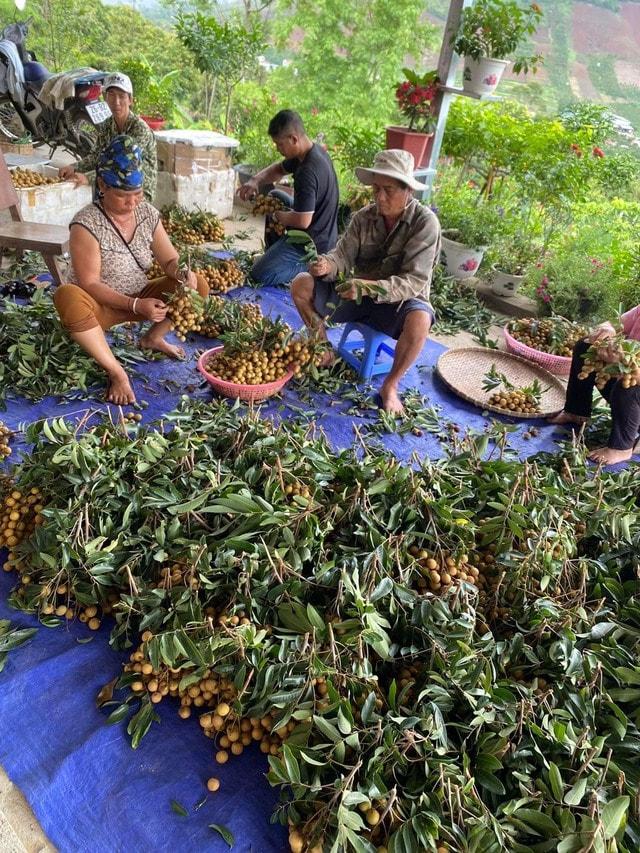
[35,72]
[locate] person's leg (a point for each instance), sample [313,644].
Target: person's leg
[579,396]
[280,264]
[85,320]
[283,194]
[415,332]
[625,424]
[303,290]
[154,338]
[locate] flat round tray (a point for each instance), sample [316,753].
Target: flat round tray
[463,371]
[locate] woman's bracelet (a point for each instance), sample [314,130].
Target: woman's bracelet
[133,307]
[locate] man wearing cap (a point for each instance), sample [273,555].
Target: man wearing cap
[118,93]
[380,272]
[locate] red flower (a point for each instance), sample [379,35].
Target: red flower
[597,152]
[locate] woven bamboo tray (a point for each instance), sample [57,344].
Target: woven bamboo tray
[463,371]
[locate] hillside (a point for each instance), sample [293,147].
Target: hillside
[591,50]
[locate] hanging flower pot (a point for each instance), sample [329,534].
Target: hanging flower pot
[481,76]
[504,283]
[458,260]
[495,31]
[408,140]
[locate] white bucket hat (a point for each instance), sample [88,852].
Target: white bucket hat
[392,163]
[117,80]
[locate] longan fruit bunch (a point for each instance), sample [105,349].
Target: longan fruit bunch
[223,274]
[553,335]
[250,367]
[267,205]
[211,228]
[25,178]
[177,574]
[253,365]
[154,271]
[192,227]
[294,490]
[625,368]
[20,514]
[179,225]
[58,601]
[515,400]
[439,571]
[5,434]
[185,310]
[222,315]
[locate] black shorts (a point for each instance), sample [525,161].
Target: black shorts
[386,317]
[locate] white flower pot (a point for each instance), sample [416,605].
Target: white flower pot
[504,283]
[481,76]
[458,260]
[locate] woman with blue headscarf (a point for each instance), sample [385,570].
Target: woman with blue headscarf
[113,243]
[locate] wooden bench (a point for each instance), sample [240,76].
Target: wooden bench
[20,235]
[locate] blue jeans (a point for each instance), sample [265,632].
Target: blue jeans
[279,264]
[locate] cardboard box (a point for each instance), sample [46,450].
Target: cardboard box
[187,153]
[211,191]
[52,204]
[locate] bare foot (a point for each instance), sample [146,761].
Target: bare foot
[119,391]
[160,345]
[328,358]
[610,456]
[567,418]
[391,402]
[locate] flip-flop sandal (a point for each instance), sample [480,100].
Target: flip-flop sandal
[18,288]
[43,279]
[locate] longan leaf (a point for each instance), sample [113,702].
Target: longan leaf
[178,809]
[224,832]
[120,713]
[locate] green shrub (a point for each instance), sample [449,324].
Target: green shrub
[579,279]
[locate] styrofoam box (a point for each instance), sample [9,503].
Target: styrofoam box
[209,191]
[52,204]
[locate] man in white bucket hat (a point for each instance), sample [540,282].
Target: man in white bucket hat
[387,254]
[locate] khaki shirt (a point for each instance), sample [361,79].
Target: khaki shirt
[142,134]
[401,262]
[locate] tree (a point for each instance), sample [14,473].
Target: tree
[224,53]
[347,55]
[77,33]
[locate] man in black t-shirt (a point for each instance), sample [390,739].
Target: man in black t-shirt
[315,199]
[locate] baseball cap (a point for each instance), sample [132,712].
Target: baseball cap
[117,80]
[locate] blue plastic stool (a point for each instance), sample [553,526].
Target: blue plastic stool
[373,343]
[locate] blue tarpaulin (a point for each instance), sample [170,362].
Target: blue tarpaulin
[89,789]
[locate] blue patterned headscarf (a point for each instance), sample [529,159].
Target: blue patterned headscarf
[120,164]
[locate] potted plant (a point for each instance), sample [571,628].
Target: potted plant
[489,34]
[469,225]
[154,97]
[510,259]
[415,96]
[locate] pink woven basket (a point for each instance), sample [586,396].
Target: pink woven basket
[242,392]
[559,365]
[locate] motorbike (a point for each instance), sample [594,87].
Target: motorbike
[57,110]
